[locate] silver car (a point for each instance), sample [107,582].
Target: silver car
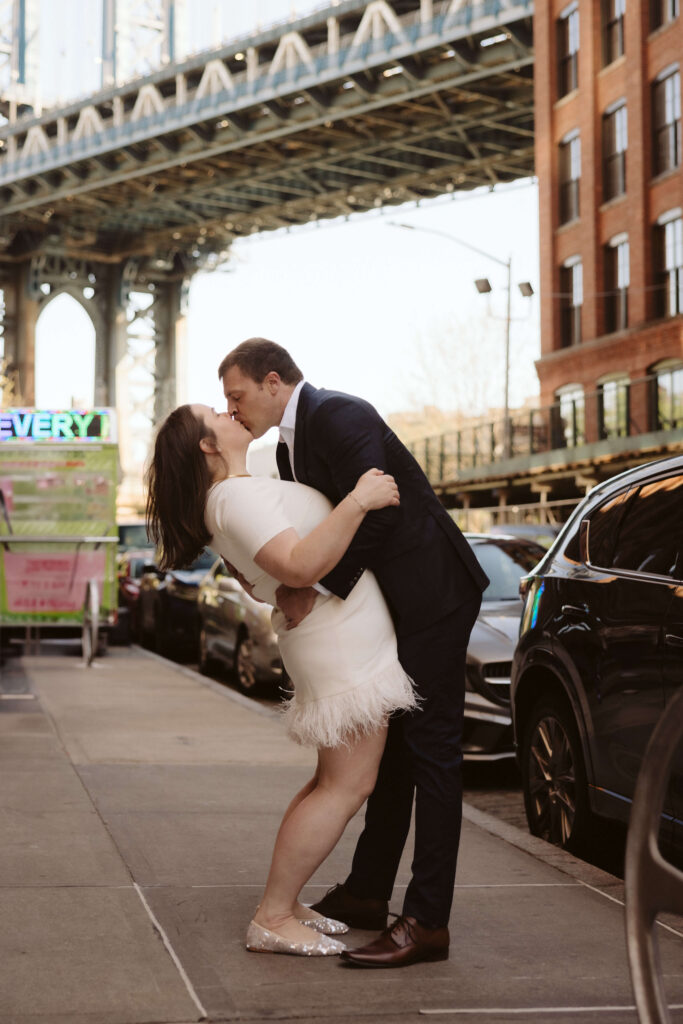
[487,731]
[235,633]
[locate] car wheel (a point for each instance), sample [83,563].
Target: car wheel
[203,657]
[554,777]
[163,642]
[245,670]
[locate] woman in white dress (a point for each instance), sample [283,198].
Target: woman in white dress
[341,659]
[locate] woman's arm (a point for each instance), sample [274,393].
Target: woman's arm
[301,562]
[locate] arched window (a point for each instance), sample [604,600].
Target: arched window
[668,394]
[570,427]
[65,356]
[613,405]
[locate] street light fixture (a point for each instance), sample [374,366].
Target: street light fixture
[483,286]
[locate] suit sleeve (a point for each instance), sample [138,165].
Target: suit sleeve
[349,436]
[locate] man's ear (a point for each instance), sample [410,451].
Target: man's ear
[273,382]
[208,446]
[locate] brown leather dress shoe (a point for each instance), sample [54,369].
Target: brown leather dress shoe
[404,942]
[341,905]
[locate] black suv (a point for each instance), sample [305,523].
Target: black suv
[600,655]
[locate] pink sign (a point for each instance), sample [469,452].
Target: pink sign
[51,582]
[7,488]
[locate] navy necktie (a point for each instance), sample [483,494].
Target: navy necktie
[283,463]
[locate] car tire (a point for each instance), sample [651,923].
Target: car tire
[163,640]
[245,670]
[205,661]
[554,777]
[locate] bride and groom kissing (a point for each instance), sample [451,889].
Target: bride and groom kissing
[375,592]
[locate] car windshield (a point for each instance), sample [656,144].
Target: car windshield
[505,562]
[133,535]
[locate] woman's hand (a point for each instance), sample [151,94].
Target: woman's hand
[376,489]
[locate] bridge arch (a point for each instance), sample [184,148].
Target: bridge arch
[65,349]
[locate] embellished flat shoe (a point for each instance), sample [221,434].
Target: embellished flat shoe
[262,940]
[326,925]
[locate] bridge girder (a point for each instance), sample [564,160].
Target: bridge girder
[364,105]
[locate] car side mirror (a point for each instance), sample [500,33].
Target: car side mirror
[584,534]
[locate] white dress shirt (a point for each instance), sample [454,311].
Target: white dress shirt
[288,423]
[287,428]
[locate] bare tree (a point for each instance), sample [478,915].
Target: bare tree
[458,368]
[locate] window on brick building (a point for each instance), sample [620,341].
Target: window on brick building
[570,410]
[669,261]
[570,174]
[612,30]
[571,300]
[663,11]
[617,280]
[568,50]
[668,379]
[614,144]
[613,406]
[666,121]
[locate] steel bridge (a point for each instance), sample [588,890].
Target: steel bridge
[128,192]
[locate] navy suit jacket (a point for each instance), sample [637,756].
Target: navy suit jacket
[422,562]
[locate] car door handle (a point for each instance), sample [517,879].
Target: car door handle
[574,611]
[673,640]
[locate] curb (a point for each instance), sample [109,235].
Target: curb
[211,684]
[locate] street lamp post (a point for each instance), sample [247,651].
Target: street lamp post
[483,286]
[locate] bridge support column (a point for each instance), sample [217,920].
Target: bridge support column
[170,348]
[19,332]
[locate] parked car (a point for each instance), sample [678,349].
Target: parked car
[600,655]
[487,733]
[135,556]
[167,606]
[540,533]
[235,632]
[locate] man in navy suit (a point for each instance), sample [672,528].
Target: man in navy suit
[432,583]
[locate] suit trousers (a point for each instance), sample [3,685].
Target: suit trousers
[422,758]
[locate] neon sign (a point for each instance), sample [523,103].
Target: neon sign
[75,426]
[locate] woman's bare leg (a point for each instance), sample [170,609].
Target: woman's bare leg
[312,827]
[302,794]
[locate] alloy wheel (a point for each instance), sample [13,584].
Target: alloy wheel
[244,664]
[204,660]
[552,781]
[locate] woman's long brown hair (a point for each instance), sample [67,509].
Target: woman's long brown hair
[178,480]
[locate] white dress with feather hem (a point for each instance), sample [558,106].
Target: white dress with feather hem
[342,658]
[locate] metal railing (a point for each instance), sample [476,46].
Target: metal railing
[628,409]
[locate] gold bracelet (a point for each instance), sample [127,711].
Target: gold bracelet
[352,495]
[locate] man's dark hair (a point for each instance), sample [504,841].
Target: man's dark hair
[257,357]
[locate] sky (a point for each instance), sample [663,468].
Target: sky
[359,303]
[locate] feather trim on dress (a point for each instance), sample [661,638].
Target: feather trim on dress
[342,718]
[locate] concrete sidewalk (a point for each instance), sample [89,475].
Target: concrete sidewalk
[139,805]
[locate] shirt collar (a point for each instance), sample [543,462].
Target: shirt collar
[288,421]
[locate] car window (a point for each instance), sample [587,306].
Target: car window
[205,559]
[649,538]
[505,562]
[133,535]
[604,528]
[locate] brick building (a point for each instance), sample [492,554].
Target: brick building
[608,159]
[610,170]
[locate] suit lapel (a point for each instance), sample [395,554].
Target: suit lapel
[300,432]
